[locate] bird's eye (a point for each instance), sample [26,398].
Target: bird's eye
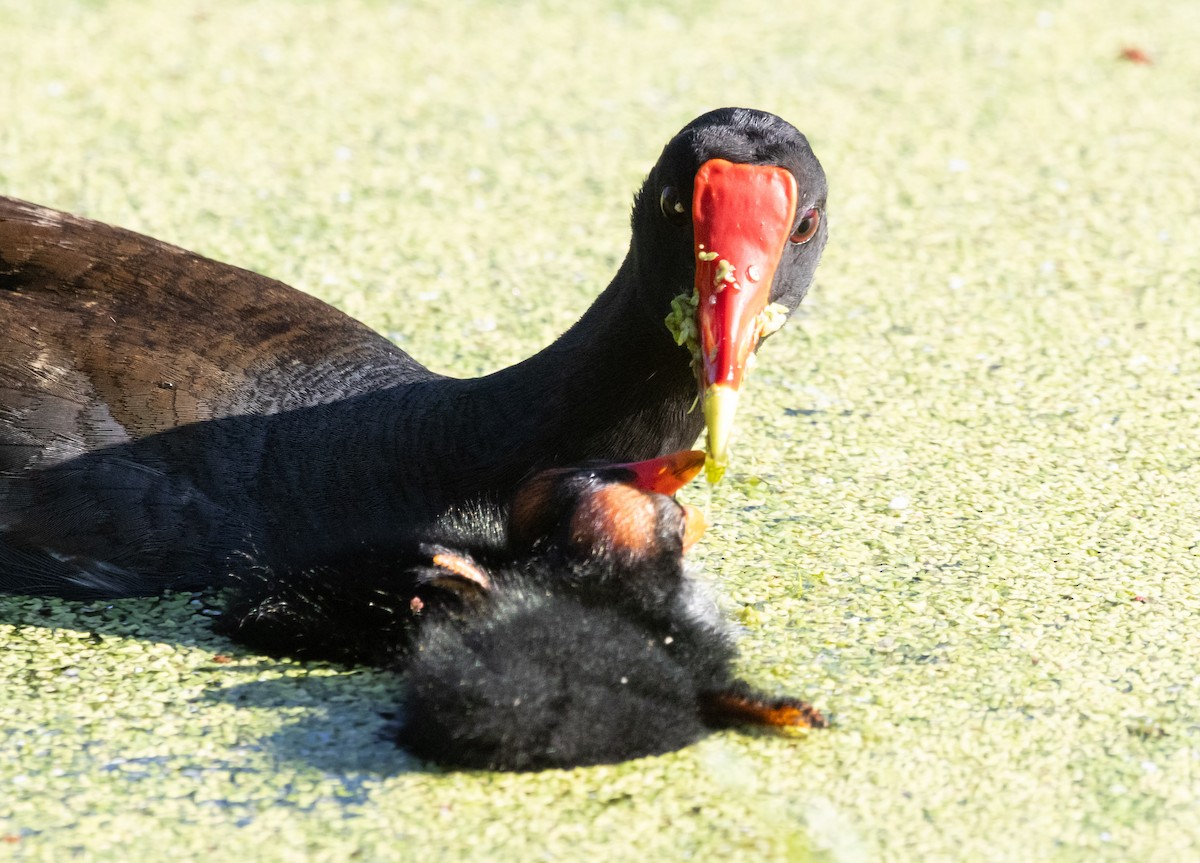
[807,228]
[672,207]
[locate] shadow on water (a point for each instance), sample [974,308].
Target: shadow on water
[340,719]
[177,618]
[342,724]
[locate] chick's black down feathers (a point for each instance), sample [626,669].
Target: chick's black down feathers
[548,682]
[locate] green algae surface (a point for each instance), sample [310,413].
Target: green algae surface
[961,513]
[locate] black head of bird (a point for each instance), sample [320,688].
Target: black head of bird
[738,202]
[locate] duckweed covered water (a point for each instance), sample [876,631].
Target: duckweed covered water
[961,513]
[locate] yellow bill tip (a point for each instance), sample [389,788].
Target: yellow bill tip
[720,409]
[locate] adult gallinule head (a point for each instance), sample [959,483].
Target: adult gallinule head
[164,417]
[573,635]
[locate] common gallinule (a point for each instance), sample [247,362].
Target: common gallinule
[572,635]
[164,417]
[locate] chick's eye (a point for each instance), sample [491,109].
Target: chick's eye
[807,228]
[672,207]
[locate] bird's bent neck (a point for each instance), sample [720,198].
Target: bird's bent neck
[614,387]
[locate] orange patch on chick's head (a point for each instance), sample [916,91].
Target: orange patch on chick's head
[618,518]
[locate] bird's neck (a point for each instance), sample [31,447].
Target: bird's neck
[613,387]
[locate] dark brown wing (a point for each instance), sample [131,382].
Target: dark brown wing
[107,335]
